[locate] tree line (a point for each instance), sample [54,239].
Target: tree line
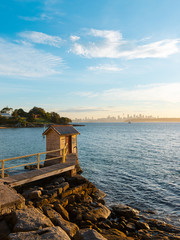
[36,114]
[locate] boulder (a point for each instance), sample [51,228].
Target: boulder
[4,230]
[60,180]
[162,226]
[99,194]
[30,219]
[114,234]
[64,186]
[125,211]
[100,211]
[60,209]
[89,234]
[55,233]
[142,225]
[35,194]
[69,227]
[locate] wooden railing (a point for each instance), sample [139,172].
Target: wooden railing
[38,161]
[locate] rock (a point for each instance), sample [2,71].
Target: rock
[69,227]
[142,225]
[58,190]
[89,234]
[163,226]
[60,180]
[55,233]
[35,194]
[64,186]
[101,201]
[99,194]
[4,230]
[30,219]
[114,234]
[131,227]
[100,211]
[103,225]
[60,209]
[66,193]
[77,180]
[87,199]
[126,211]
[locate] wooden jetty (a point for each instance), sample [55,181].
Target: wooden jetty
[61,156]
[10,199]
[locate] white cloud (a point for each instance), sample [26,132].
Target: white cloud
[42,38]
[110,36]
[20,60]
[112,45]
[86,94]
[42,17]
[149,93]
[108,68]
[167,93]
[84,109]
[74,38]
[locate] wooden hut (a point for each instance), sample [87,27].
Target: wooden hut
[57,136]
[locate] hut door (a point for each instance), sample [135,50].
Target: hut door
[69,141]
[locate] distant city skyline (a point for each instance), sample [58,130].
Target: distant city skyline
[91,58]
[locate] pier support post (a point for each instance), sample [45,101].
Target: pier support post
[2,167]
[38,161]
[64,155]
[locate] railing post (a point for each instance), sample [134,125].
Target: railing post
[64,155]
[38,161]
[2,167]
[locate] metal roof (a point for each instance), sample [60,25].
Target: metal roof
[62,129]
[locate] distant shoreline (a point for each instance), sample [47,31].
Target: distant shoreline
[154,120]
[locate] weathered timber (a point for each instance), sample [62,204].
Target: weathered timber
[45,172]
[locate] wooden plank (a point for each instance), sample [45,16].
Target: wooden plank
[45,172]
[38,177]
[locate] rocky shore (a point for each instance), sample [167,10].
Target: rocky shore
[67,208]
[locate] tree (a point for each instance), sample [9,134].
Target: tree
[55,118]
[38,111]
[15,114]
[6,110]
[30,117]
[21,112]
[65,120]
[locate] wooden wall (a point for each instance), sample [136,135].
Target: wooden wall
[62,142]
[74,143]
[52,141]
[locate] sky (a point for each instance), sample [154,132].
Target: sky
[89,58]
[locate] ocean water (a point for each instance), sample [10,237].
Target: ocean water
[136,164]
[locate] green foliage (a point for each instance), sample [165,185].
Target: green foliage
[65,120]
[30,117]
[36,116]
[40,112]
[21,112]
[6,110]
[54,117]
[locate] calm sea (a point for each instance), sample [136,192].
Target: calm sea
[137,164]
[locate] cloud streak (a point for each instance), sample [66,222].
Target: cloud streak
[107,68]
[84,109]
[167,93]
[110,44]
[19,60]
[41,38]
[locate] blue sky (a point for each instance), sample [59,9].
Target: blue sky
[91,58]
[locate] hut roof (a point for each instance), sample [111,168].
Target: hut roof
[62,130]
